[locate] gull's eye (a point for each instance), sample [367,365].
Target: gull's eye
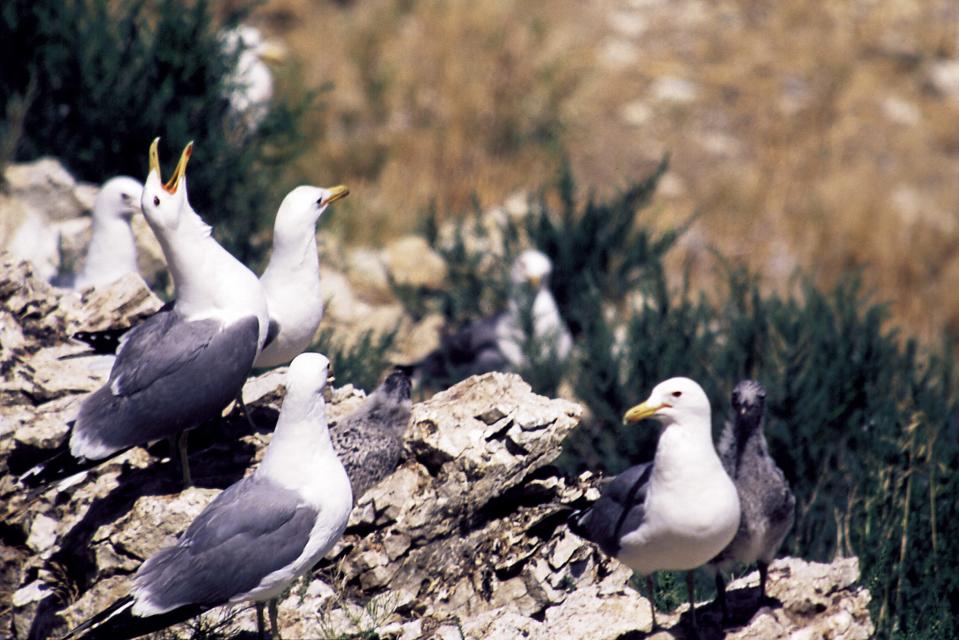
[676,394]
[156,201]
[125,198]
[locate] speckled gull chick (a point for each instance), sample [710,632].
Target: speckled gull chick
[676,512]
[182,366]
[257,536]
[768,505]
[112,252]
[369,441]
[291,280]
[497,343]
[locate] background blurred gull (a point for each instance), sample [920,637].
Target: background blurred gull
[250,86]
[768,505]
[257,536]
[502,342]
[112,252]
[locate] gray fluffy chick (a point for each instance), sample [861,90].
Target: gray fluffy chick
[369,441]
[768,506]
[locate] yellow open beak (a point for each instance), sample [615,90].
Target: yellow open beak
[335,193]
[641,412]
[174,182]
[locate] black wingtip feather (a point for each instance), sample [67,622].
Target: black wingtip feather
[117,623]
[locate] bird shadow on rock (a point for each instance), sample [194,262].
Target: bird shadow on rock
[743,604]
[218,458]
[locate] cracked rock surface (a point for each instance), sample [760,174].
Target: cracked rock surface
[466,539]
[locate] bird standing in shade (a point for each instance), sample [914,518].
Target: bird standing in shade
[676,512]
[112,251]
[768,506]
[501,342]
[369,441]
[291,281]
[180,367]
[257,536]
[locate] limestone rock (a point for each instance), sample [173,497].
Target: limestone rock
[44,185]
[467,536]
[413,263]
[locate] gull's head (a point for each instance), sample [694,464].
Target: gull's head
[245,38]
[749,402]
[164,203]
[398,384]
[531,268]
[119,199]
[303,206]
[308,376]
[675,401]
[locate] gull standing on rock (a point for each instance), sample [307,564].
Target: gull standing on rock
[291,281]
[500,343]
[768,505]
[676,512]
[256,537]
[180,367]
[112,252]
[369,441]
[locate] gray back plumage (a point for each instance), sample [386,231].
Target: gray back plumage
[369,441]
[620,509]
[767,503]
[221,555]
[169,375]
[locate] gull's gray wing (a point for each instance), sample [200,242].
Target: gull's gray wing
[619,510]
[169,375]
[253,528]
[367,455]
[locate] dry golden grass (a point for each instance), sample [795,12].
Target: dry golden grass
[812,138]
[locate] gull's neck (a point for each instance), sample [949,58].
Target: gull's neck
[301,453]
[751,444]
[685,451]
[207,279]
[294,252]
[112,251]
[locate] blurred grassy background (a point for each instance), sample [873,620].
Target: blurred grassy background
[807,133]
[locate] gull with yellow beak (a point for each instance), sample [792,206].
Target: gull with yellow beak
[291,280]
[676,512]
[501,343]
[180,367]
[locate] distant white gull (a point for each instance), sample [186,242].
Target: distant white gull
[369,441]
[112,252]
[256,537]
[501,342]
[250,86]
[180,367]
[768,505]
[676,512]
[291,280]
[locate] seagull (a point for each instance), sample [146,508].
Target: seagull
[768,505]
[676,512]
[501,342]
[250,85]
[291,280]
[369,441]
[256,537]
[112,252]
[180,367]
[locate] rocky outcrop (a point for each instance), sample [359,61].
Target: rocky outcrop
[466,539]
